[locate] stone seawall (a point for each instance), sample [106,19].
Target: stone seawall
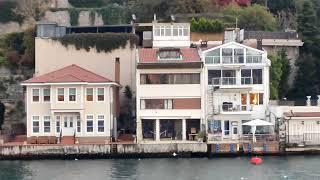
[101,150]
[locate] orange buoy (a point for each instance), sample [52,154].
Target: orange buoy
[256,160]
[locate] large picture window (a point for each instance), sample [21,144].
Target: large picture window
[256,98]
[156,104]
[187,78]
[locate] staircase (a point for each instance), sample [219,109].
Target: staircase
[67,140]
[210,100]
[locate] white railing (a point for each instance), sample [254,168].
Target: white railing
[212,59]
[234,108]
[254,59]
[224,81]
[246,80]
[227,60]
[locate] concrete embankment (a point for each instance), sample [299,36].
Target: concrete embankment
[102,150]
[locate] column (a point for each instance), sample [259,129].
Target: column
[139,130]
[157,129]
[184,129]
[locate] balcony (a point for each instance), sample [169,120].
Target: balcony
[230,107]
[237,59]
[224,81]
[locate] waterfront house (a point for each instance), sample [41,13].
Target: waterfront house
[168,79]
[70,105]
[235,90]
[168,94]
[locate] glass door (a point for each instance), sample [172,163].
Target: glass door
[226,129]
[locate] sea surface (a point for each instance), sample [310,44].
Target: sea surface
[235,168]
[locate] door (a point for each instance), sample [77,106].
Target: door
[226,129]
[68,125]
[234,132]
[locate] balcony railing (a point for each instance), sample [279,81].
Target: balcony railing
[246,80]
[254,59]
[224,81]
[234,108]
[212,59]
[237,59]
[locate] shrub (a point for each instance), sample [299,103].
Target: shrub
[206,25]
[74,16]
[6,12]
[102,42]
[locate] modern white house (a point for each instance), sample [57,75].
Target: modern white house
[70,105]
[168,95]
[235,90]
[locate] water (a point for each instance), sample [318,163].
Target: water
[238,168]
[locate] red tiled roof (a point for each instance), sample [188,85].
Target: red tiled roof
[302,114]
[72,73]
[149,55]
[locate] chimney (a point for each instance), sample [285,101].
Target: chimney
[117,70]
[259,44]
[318,102]
[308,101]
[117,89]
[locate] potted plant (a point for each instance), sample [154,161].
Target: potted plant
[201,136]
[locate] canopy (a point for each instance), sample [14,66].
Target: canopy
[258,122]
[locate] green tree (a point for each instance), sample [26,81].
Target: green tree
[254,17]
[305,82]
[275,75]
[286,69]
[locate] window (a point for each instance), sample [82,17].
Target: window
[183,78]
[157,31]
[35,124]
[169,54]
[89,94]
[256,98]
[238,56]
[46,124]
[78,124]
[168,31]
[46,95]
[175,31]
[60,94]
[35,95]
[58,124]
[251,76]
[226,127]
[257,76]
[71,121]
[65,121]
[89,123]
[101,123]
[214,127]
[156,103]
[72,94]
[168,104]
[100,94]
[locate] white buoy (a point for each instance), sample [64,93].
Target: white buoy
[174,154]
[76,159]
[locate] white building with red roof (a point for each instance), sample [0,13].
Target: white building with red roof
[70,105]
[168,95]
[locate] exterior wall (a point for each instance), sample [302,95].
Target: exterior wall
[184,92]
[51,55]
[232,93]
[172,40]
[80,107]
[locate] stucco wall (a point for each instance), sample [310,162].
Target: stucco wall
[52,55]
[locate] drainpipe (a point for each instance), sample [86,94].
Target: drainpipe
[308,101]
